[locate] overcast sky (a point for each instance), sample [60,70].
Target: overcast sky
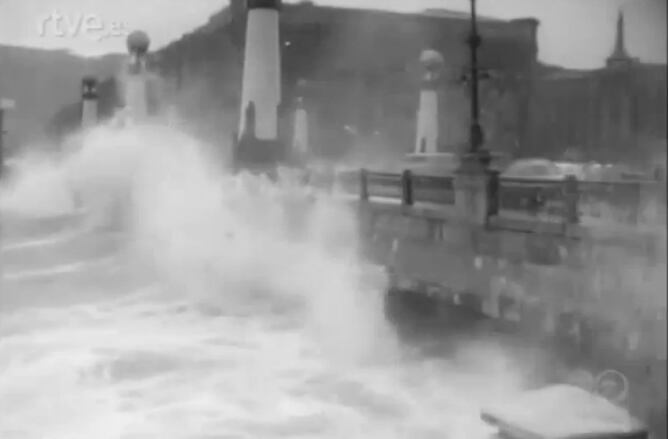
[573,33]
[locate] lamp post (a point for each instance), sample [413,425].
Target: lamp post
[476,157]
[476,134]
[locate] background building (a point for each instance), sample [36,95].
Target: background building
[615,113]
[359,72]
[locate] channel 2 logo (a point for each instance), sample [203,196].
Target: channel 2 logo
[609,384]
[612,385]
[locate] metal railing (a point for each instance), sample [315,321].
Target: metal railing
[407,187]
[568,198]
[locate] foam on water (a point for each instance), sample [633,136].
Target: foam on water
[242,309]
[25,194]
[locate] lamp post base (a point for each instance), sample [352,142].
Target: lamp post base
[471,186]
[260,155]
[475,162]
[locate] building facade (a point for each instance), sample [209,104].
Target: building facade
[358,71]
[359,74]
[612,114]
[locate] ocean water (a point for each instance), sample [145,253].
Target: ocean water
[186,303]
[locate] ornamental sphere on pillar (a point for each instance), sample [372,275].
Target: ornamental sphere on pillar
[89,82]
[301,87]
[302,83]
[432,64]
[263,4]
[138,42]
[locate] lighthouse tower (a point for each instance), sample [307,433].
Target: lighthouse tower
[136,78]
[89,100]
[427,138]
[258,145]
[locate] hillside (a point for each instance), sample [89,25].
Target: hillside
[41,82]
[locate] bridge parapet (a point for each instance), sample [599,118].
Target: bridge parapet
[577,262]
[569,202]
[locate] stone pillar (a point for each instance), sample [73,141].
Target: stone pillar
[471,199]
[136,89]
[427,139]
[300,135]
[89,101]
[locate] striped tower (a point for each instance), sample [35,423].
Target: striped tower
[427,138]
[89,100]
[258,145]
